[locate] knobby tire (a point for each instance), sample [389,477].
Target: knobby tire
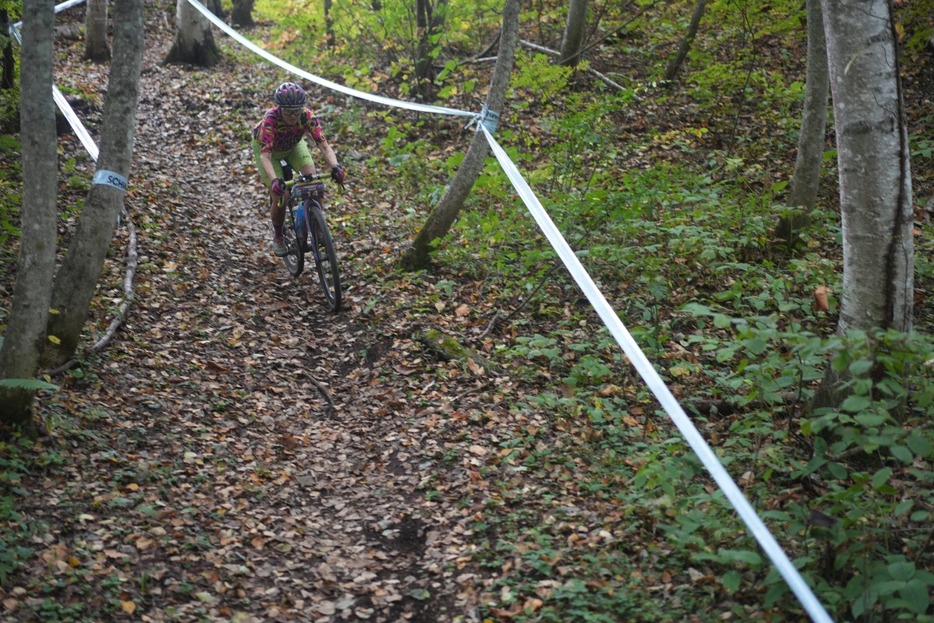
[322,248]
[294,261]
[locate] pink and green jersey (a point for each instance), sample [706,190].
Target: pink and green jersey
[273,135]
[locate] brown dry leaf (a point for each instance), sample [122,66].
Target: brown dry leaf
[533,604]
[144,543]
[475,367]
[478,450]
[213,366]
[820,299]
[128,606]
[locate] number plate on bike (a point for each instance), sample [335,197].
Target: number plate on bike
[308,191]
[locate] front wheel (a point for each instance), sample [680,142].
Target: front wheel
[294,260]
[322,248]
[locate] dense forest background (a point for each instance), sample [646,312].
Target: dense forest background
[465,442]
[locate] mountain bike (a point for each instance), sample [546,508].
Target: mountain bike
[306,231]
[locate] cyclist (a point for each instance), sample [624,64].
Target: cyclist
[280,136]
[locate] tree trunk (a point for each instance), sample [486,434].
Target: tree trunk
[77,278]
[6,76]
[444,214]
[675,64]
[95,32]
[242,13]
[215,7]
[25,331]
[328,25]
[573,33]
[805,182]
[194,43]
[874,170]
[429,21]
[874,164]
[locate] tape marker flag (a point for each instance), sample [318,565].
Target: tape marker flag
[103,177]
[655,383]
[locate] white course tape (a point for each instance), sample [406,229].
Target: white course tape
[655,383]
[322,81]
[80,131]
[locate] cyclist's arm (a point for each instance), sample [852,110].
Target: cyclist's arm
[327,152]
[265,159]
[316,134]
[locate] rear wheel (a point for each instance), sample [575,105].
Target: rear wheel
[294,261]
[322,248]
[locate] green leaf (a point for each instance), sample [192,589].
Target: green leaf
[917,595]
[837,470]
[420,594]
[901,453]
[871,418]
[887,588]
[731,580]
[860,367]
[720,321]
[28,384]
[855,404]
[920,445]
[881,477]
[862,604]
[903,570]
[742,555]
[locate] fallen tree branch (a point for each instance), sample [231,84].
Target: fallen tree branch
[132,263]
[324,392]
[549,51]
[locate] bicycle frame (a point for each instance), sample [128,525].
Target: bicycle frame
[305,219]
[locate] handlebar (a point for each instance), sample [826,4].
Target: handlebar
[314,181]
[303,179]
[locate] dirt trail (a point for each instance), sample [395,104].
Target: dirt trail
[255,458]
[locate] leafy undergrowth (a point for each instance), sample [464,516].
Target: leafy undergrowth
[238,454]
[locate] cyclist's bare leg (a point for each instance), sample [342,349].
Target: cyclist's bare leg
[276,212]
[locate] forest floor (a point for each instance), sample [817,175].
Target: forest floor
[237,453]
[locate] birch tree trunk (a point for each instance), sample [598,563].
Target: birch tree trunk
[95,32]
[875,174]
[805,183]
[874,164]
[573,36]
[193,43]
[444,214]
[77,278]
[25,332]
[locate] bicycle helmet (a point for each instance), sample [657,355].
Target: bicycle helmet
[289,95]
